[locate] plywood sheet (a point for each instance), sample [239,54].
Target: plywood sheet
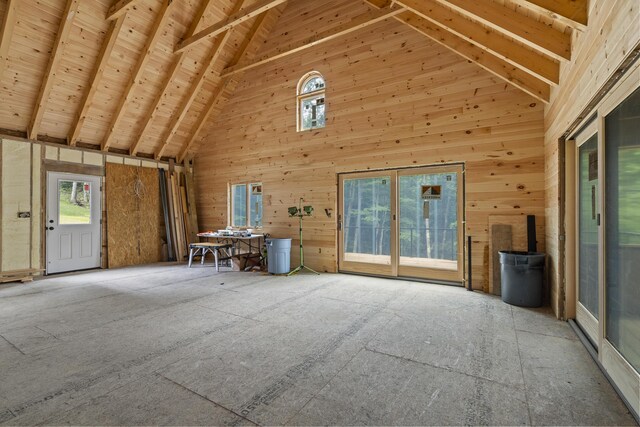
[501,238]
[134,235]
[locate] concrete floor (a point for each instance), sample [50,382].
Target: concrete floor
[171,345]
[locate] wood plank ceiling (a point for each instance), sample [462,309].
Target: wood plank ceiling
[144,77]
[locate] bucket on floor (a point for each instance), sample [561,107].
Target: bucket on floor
[522,277]
[278,256]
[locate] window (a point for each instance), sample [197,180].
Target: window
[246,205]
[311,102]
[74,198]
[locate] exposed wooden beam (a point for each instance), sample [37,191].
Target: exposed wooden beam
[235,19]
[70,11]
[176,66]
[249,48]
[94,81]
[496,66]
[526,30]
[8,23]
[161,19]
[120,7]
[574,13]
[362,21]
[536,64]
[196,86]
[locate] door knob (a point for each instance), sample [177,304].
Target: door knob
[50,228]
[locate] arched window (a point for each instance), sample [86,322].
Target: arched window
[311,102]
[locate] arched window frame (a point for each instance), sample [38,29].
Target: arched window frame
[303,98]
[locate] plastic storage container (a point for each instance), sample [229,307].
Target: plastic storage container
[279,256]
[522,277]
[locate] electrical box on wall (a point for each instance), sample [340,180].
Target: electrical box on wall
[24,214]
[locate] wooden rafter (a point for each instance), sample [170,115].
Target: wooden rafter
[120,7]
[211,60]
[176,66]
[94,81]
[355,24]
[248,49]
[526,30]
[536,64]
[8,23]
[235,19]
[496,66]
[573,13]
[160,21]
[70,11]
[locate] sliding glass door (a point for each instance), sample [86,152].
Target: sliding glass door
[430,208]
[404,222]
[607,234]
[367,218]
[622,233]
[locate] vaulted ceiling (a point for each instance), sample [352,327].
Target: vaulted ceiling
[144,77]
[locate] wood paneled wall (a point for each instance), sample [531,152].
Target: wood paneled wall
[613,32]
[394,99]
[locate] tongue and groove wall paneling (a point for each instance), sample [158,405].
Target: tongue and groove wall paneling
[134,232]
[598,51]
[394,98]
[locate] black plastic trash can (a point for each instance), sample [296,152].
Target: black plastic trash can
[522,277]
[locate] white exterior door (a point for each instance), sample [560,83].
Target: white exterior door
[73,222]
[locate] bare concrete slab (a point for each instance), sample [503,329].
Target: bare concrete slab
[168,345]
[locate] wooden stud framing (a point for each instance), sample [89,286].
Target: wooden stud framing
[573,13]
[94,81]
[176,65]
[249,43]
[68,16]
[8,23]
[233,20]
[358,23]
[196,86]
[496,66]
[161,19]
[526,30]
[532,62]
[120,7]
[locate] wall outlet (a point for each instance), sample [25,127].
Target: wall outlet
[24,214]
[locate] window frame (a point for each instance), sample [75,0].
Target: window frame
[231,203]
[301,97]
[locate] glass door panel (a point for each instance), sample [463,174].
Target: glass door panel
[622,220]
[588,242]
[429,231]
[367,232]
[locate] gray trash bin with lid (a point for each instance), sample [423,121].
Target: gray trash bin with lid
[522,277]
[279,256]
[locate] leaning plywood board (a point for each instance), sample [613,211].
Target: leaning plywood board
[500,240]
[16,199]
[133,215]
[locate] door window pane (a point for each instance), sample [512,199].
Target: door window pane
[239,205]
[429,220]
[367,220]
[588,225]
[622,209]
[74,201]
